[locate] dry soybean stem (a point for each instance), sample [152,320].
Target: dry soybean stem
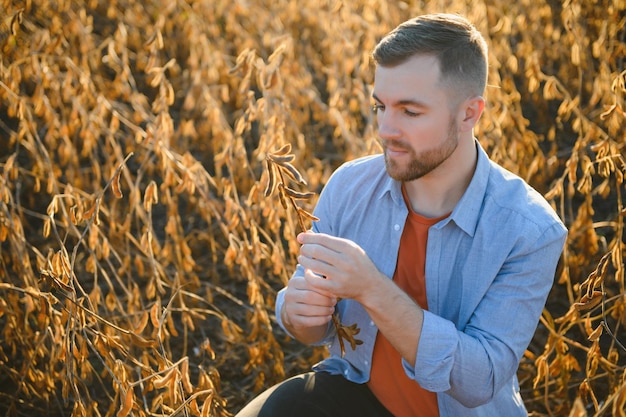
[279,167]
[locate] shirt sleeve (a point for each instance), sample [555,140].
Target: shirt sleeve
[280,300]
[472,362]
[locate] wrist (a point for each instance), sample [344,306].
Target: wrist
[376,287]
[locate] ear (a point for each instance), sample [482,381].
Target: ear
[469,112]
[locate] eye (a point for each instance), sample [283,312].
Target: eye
[377,107]
[411,113]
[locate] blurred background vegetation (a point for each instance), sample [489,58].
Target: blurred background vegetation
[139,257]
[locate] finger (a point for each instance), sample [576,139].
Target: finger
[330,249]
[319,267]
[308,310]
[301,321]
[319,283]
[306,315]
[320,253]
[300,290]
[331,242]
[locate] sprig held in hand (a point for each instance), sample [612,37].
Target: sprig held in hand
[279,167]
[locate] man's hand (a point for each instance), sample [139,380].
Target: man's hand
[306,311]
[349,272]
[341,267]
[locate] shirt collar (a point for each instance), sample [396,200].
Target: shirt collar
[466,212]
[391,187]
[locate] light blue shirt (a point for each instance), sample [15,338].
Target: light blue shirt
[489,268]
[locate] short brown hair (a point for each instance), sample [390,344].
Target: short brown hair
[459,47]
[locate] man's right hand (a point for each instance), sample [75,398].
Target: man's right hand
[306,312]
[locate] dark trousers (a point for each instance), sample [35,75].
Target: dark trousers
[316,394]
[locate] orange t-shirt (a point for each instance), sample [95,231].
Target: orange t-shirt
[401,395]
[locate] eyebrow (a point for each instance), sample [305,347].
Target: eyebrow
[403,102]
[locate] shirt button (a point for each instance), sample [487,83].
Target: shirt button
[366,363]
[396,227]
[372,323]
[345,372]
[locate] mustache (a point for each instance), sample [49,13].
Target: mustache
[395,144]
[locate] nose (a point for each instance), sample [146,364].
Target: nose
[387,125]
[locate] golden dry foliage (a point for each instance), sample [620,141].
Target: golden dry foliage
[139,257]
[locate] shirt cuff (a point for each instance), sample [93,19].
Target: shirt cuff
[280,300]
[435,354]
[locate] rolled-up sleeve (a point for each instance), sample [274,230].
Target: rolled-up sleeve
[474,358]
[435,358]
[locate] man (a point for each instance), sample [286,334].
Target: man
[442,258]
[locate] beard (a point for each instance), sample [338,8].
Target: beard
[425,162]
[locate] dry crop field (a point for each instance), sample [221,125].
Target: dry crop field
[139,254]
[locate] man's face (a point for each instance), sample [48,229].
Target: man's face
[417,129]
